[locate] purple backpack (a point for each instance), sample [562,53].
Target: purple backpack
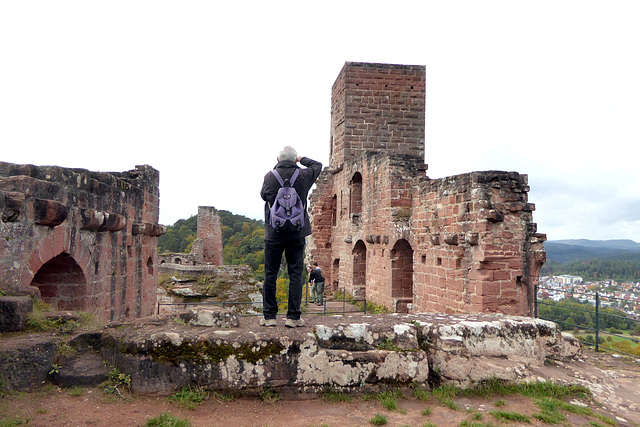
[287,211]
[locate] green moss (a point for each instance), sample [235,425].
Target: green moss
[206,352]
[388,344]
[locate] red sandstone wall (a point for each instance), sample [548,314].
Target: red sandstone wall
[460,244]
[102,225]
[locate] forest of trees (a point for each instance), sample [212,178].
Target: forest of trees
[242,239]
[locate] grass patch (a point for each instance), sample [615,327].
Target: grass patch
[76,390]
[467,423]
[510,416]
[498,403]
[605,419]
[14,421]
[546,395]
[445,395]
[189,398]
[389,399]
[269,396]
[426,411]
[550,410]
[372,308]
[378,420]
[224,397]
[336,397]
[167,420]
[421,394]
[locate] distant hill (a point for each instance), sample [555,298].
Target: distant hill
[562,251]
[593,259]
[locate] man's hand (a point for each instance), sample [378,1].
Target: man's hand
[298,159]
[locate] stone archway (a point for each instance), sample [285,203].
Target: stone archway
[359,283]
[62,283]
[402,276]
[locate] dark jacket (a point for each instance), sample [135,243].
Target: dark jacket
[316,275]
[270,188]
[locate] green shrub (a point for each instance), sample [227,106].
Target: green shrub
[188,397]
[378,420]
[167,420]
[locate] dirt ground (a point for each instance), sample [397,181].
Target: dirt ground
[614,381]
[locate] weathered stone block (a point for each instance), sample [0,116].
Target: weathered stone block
[215,316]
[13,312]
[49,212]
[82,369]
[26,361]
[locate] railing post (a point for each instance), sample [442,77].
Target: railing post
[597,321]
[344,302]
[365,306]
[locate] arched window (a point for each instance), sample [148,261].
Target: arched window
[150,266]
[334,210]
[356,194]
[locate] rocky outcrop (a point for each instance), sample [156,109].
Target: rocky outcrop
[213,348]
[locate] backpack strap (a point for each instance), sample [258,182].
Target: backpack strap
[278,177]
[292,180]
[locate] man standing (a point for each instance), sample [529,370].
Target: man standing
[318,283]
[290,242]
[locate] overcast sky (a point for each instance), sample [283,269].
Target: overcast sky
[207,92]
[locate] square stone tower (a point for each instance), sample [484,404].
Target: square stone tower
[377,107]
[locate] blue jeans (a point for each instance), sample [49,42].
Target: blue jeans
[294,253]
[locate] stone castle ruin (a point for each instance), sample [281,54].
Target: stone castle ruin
[384,230]
[81,240]
[201,275]
[464,245]
[207,247]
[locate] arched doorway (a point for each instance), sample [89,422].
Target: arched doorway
[359,269]
[402,275]
[62,283]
